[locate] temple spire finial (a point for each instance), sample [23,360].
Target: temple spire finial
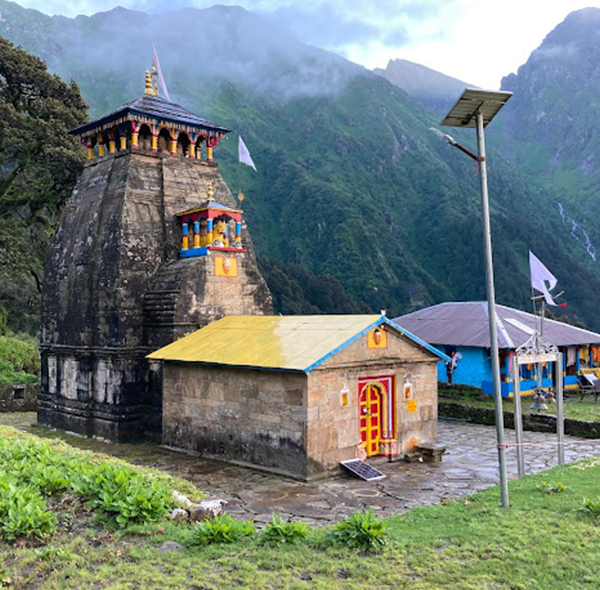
[211,192]
[149,89]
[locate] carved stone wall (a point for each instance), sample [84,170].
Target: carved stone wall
[115,290]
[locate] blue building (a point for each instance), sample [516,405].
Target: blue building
[463,328]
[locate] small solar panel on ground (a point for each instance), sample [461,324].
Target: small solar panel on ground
[362,469]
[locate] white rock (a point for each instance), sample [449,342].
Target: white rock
[182,501]
[178,514]
[207,509]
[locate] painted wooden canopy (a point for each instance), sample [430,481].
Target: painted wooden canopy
[151,123]
[210,226]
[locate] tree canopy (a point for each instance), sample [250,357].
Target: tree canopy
[39,164]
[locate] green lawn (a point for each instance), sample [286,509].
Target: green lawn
[575,409]
[545,540]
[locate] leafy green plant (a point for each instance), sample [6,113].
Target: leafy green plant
[592,508]
[120,495]
[279,532]
[363,531]
[19,361]
[222,529]
[548,488]
[23,512]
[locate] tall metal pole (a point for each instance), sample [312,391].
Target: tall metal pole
[489,273]
[518,414]
[560,417]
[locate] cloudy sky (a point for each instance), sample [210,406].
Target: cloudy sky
[477,41]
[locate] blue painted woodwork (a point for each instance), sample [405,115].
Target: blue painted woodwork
[190,252]
[475,368]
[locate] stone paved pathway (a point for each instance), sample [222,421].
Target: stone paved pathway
[470,464]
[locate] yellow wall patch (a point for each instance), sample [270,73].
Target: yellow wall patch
[377,338]
[225,267]
[411,406]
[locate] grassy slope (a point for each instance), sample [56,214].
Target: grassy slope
[543,541]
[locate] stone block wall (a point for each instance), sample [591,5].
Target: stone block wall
[19,397]
[115,290]
[240,415]
[334,432]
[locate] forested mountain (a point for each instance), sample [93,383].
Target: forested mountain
[355,203]
[551,130]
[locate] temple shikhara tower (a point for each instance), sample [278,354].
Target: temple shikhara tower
[151,246]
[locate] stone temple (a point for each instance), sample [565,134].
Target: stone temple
[150,247]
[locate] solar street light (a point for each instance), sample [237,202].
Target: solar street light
[476,109]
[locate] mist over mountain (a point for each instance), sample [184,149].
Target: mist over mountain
[433,89]
[351,185]
[196,47]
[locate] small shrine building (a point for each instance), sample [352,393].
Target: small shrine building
[298,394]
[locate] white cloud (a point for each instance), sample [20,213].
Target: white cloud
[477,41]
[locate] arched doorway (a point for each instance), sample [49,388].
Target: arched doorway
[377,421]
[371,404]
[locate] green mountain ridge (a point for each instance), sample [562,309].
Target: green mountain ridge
[351,185]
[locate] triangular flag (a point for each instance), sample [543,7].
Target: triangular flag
[539,276]
[244,154]
[161,80]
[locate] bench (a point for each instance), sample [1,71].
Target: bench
[431,452]
[588,383]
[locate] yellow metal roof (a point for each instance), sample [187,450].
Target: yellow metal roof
[293,343]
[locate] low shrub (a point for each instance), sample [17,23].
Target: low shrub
[362,530]
[120,495]
[279,532]
[222,529]
[19,361]
[592,508]
[23,511]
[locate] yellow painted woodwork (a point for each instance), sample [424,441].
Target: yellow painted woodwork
[155,143]
[370,410]
[377,338]
[111,146]
[225,266]
[100,150]
[173,147]
[134,140]
[196,240]
[209,154]
[123,139]
[184,243]
[284,342]
[192,150]
[90,153]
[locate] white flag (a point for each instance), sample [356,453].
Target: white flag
[161,80]
[540,275]
[244,154]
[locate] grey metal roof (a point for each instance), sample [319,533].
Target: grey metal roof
[155,107]
[466,324]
